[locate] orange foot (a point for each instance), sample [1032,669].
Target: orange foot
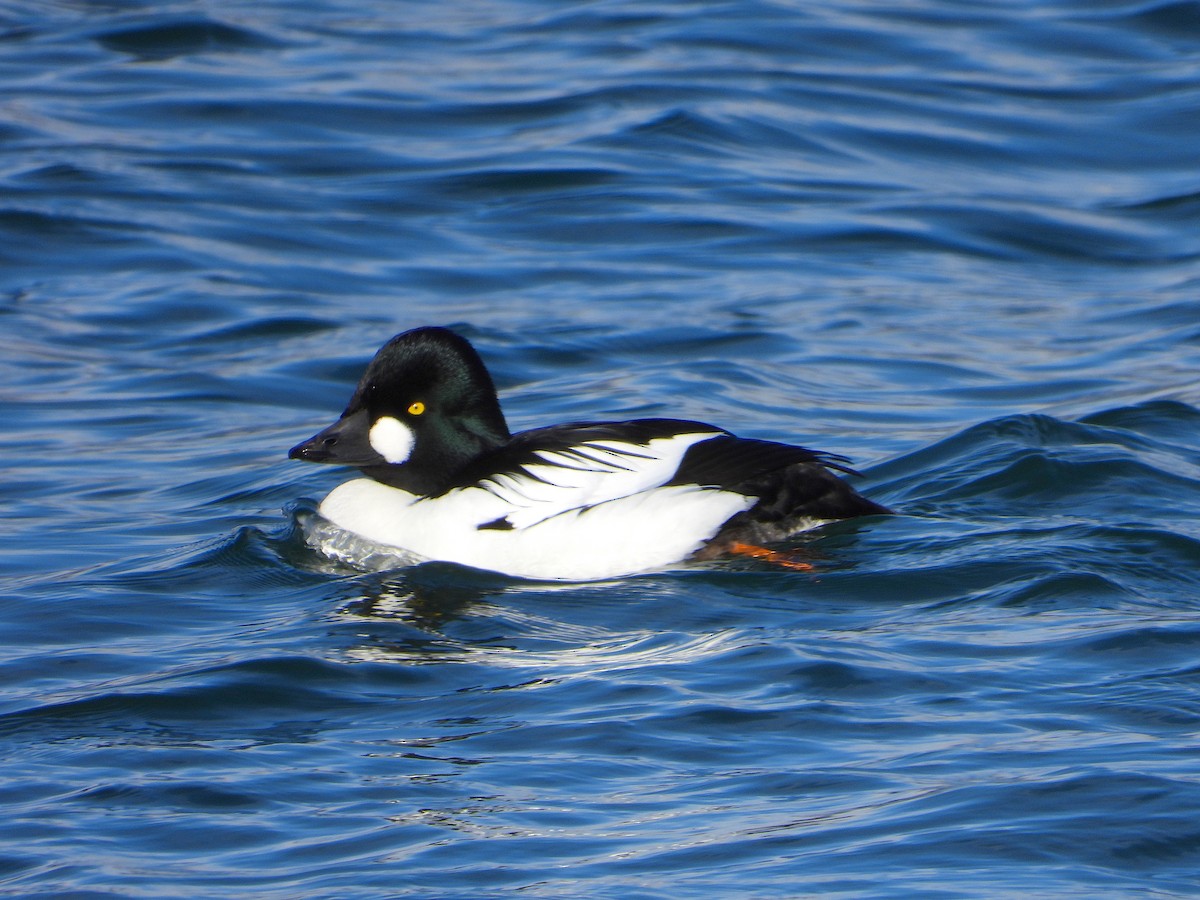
[785,560]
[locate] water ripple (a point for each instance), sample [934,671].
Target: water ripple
[954,241]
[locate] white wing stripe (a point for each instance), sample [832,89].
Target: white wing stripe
[547,489]
[566,460]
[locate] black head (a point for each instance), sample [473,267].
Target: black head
[425,407]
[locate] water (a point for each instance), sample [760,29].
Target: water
[955,241]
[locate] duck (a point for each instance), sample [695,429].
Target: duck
[445,480]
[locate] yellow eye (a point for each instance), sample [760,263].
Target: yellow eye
[416,408]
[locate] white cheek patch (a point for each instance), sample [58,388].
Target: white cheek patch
[391,439]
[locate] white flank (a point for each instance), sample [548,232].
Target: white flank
[391,439]
[623,536]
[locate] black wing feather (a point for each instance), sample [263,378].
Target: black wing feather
[730,462]
[793,485]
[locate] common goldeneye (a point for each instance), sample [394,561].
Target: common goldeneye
[446,480]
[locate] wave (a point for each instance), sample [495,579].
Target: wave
[1115,465]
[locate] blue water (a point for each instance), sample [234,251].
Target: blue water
[956,241]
